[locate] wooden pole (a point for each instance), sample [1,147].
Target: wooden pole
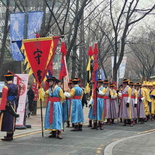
[41,109]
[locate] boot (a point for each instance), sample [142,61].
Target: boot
[95,126]
[68,124]
[124,123]
[141,121]
[53,134]
[59,135]
[132,123]
[108,121]
[8,137]
[72,125]
[80,127]
[152,117]
[10,109]
[90,123]
[98,125]
[112,121]
[101,126]
[76,128]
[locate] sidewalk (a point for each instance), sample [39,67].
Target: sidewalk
[142,144]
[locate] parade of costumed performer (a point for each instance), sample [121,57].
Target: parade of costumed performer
[153,101]
[134,100]
[140,104]
[100,107]
[77,116]
[125,105]
[113,103]
[67,107]
[8,107]
[53,116]
[107,108]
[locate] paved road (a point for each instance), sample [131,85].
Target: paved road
[87,142]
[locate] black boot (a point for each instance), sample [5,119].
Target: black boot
[112,121]
[101,126]
[53,135]
[8,137]
[80,127]
[72,125]
[95,126]
[76,128]
[90,123]
[141,121]
[124,123]
[68,124]
[59,135]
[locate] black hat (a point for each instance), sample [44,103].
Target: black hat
[131,83]
[126,81]
[100,81]
[106,81]
[9,76]
[112,85]
[138,84]
[51,79]
[70,82]
[75,80]
[57,81]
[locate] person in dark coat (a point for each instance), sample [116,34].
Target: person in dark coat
[8,107]
[30,98]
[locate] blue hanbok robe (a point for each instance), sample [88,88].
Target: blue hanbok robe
[55,98]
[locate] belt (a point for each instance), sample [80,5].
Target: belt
[99,96]
[106,97]
[52,100]
[124,95]
[10,98]
[77,97]
[133,97]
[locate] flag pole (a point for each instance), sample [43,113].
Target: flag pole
[41,110]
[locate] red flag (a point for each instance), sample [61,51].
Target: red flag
[90,51]
[38,52]
[95,79]
[63,69]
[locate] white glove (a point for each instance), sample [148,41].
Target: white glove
[119,94]
[113,97]
[90,102]
[143,98]
[101,93]
[128,101]
[67,94]
[135,100]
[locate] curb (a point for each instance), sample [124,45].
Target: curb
[109,148]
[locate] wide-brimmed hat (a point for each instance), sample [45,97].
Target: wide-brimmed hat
[51,79]
[131,83]
[112,85]
[126,81]
[9,76]
[138,84]
[106,81]
[100,81]
[70,82]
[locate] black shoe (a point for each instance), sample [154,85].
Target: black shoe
[7,139]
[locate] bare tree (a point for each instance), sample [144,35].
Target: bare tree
[122,22]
